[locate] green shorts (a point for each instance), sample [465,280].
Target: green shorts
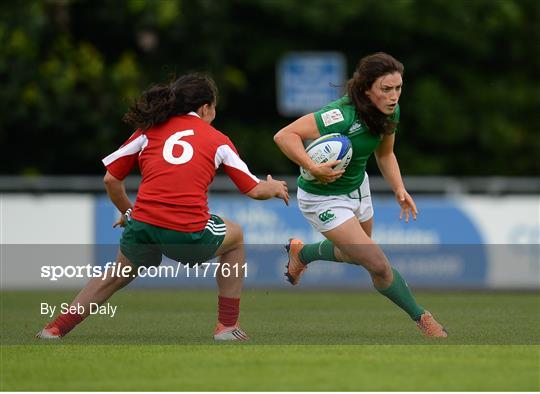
[144,244]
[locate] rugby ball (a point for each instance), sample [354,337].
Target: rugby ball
[329,147]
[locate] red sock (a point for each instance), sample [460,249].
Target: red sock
[66,322]
[228,310]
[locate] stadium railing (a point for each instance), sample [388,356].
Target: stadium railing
[444,185]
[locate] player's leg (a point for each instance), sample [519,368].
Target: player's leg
[230,279]
[323,213]
[136,249]
[365,212]
[353,244]
[356,204]
[367,226]
[350,227]
[349,243]
[326,213]
[97,290]
[231,255]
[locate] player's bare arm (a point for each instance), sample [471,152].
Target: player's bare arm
[117,193]
[270,188]
[388,164]
[290,140]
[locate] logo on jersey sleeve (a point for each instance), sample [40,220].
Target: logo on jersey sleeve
[331,117]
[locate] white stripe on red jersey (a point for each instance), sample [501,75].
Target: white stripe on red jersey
[235,168]
[128,149]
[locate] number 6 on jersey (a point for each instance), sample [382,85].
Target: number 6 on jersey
[173,140]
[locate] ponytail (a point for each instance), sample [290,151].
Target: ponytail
[160,102]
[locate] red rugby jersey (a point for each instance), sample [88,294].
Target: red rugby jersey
[178,160]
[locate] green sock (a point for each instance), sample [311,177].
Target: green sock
[400,294]
[323,250]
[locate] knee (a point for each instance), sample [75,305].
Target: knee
[342,256]
[235,232]
[383,271]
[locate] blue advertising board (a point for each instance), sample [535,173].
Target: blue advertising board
[306,81]
[443,248]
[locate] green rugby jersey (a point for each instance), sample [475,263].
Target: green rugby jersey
[340,117]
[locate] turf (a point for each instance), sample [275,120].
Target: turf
[325,340]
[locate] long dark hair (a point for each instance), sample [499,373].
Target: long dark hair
[181,96]
[369,69]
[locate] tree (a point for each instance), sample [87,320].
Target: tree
[70,70]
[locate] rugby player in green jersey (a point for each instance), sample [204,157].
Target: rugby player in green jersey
[337,203]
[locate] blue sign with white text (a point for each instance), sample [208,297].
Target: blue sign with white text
[443,248]
[307,81]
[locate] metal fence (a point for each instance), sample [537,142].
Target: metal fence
[415,184]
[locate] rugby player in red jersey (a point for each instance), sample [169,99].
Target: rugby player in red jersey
[178,153]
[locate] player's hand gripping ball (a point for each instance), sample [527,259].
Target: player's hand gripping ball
[329,147]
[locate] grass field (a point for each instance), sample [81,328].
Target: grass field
[301,340]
